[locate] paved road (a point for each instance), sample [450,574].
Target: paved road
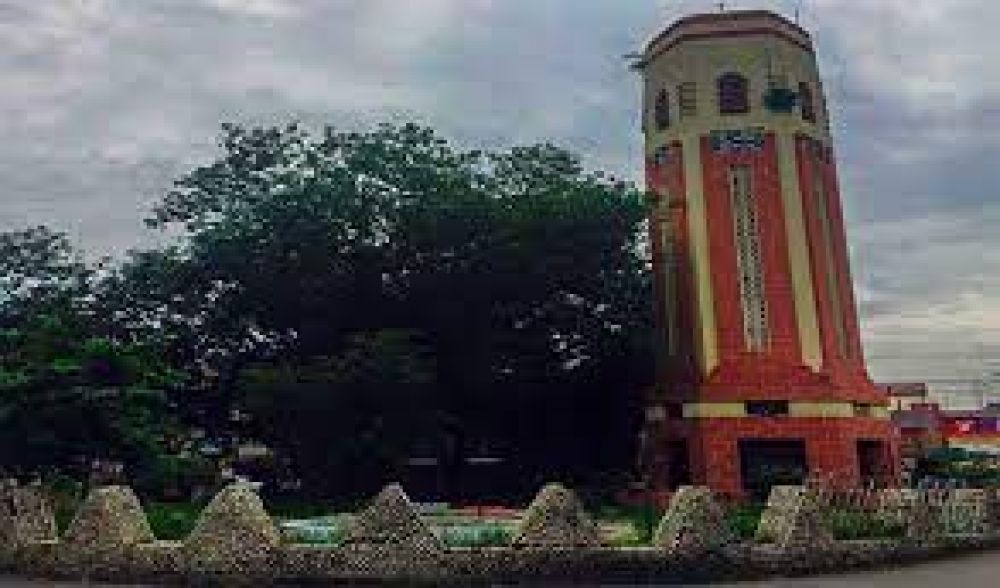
[10,582]
[971,571]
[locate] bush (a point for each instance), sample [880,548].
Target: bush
[64,513]
[172,521]
[494,537]
[172,476]
[66,494]
[743,519]
[643,518]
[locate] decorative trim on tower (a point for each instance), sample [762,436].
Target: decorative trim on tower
[756,332]
[729,141]
[795,410]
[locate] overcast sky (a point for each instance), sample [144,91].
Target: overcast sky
[103,102]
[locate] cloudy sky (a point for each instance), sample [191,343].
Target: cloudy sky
[103,102]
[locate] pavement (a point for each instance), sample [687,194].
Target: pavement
[972,571]
[12,582]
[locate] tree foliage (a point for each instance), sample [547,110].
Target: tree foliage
[369,294]
[68,392]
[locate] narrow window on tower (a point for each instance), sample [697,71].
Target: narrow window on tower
[749,268]
[661,110]
[734,94]
[806,100]
[687,95]
[832,268]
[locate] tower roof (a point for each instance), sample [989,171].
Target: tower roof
[734,23]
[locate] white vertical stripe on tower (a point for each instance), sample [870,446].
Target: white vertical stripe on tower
[707,340]
[798,253]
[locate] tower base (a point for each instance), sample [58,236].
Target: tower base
[742,457]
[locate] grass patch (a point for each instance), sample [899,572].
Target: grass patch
[172,521]
[64,513]
[643,520]
[843,524]
[331,532]
[483,535]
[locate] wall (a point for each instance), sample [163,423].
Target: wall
[233,543]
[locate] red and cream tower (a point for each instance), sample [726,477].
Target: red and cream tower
[762,379]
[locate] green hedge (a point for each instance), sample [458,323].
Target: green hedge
[172,521]
[744,519]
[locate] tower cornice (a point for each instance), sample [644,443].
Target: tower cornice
[738,23]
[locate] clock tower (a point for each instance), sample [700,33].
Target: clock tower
[761,375]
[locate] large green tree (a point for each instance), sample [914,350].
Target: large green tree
[69,391]
[366,296]
[520,272]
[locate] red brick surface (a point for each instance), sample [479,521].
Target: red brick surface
[778,373]
[831,447]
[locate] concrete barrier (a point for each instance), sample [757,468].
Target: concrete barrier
[235,541]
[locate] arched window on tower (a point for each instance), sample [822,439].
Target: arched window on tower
[661,110]
[807,102]
[734,94]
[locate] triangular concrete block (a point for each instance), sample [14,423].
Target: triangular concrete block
[233,534]
[693,524]
[806,528]
[893,504]
[392,520]
[25,517]
[772,519]
[968,512]
[556,518]
[912,510]
[793,520]
[110,518]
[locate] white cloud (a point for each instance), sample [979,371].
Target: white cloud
[929,53]
[258,8]
[931,294]
[932,61]
[397,27]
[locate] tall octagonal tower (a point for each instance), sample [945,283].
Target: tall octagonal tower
[761,377]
